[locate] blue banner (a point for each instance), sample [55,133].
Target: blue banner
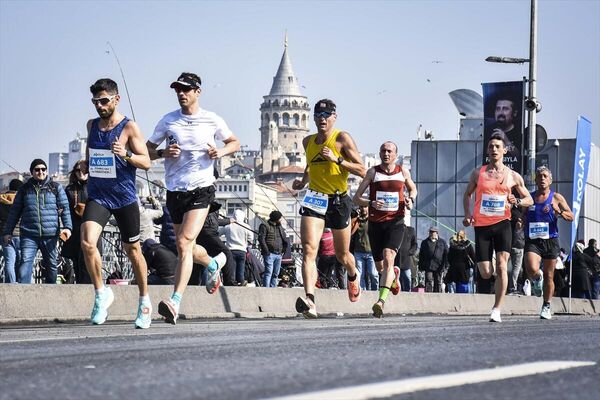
[580,170]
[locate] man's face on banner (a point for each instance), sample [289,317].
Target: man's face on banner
[505,113]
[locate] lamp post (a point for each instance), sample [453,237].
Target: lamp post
[532,105]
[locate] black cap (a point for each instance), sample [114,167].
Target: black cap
[275,216]
[187,79]
[15,184]
[325,105]
[35,162]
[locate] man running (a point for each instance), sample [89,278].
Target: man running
[387,205]
[541,236]
[331,155]
[191,134]
[115,149]
[493,184]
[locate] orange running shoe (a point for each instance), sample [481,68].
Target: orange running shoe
[354,288]
[395,289]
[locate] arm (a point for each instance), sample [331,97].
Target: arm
[299,184]
[232,144]
[284,243]
[14,214]
[468,220]
[63,204]
[412,189]
[352,161]
[358,199]
[134,140]
[413,244]
[561,207]
[262,232]
[526,199]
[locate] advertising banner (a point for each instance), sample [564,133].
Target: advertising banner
[580,170]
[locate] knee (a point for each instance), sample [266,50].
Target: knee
[88,245]
[309,251]
[345,258]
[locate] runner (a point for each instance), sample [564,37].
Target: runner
[331,155]
[493,184]
[115,149]
[387,205]
[541,232]
[191,133]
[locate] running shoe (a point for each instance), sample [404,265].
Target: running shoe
[546,312]
[213,280]
[377,309]
[144,316]
[536,286]
[495,315]
[354,288]
[395,289]
[306,308]
[170,310]
[101,304]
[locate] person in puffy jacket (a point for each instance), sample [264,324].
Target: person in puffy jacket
[41,205]
[12,249]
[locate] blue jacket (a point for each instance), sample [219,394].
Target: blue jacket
[39,206]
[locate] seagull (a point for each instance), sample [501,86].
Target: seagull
[428,80]
[381,92]
[436,62]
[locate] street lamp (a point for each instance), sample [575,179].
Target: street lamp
[532,105]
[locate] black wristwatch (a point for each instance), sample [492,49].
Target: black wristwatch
[340,160]
[159,153]
[128,155]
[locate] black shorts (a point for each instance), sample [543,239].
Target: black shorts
[337,215]
[385,235]
[548,249]
[178,203]
[496,237]
[128,219]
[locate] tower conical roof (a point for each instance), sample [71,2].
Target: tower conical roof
[285,82]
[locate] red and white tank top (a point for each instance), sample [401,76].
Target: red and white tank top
[491,197]
[389,188]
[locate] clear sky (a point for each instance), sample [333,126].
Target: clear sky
[374,58]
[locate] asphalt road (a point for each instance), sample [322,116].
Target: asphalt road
[264,358]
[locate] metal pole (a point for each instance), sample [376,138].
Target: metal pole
[532,94]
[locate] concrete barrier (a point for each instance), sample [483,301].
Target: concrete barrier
[38,303]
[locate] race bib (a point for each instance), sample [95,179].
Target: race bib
[391,200]
[492,205]
[102,164]
[316,201]
[539,230]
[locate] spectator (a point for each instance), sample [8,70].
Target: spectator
[237,236]
[582,272]
[161,262]
[362,252]
[461,258]
[326,262]
[12,249]
[592,251]
[167,232]
[77,195]
[273,243]
[147,217]
[433,257]
[516,251]
[405,258]
[39,204]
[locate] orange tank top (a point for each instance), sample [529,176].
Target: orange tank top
[491,197]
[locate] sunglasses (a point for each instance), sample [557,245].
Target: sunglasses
[78,170]
[40,169]
[103,100]
[182,88]
[323,114]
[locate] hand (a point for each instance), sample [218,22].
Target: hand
[512,199]
[376,204]
[7,239]
[499,131]
[298,184]
[468,221]
[173,151]
[65,234]
[556,208]
[213,152]
[118,149]
[408,204]
[328,154]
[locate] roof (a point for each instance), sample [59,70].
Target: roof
[285,82]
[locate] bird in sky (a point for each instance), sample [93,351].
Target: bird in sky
[436,62]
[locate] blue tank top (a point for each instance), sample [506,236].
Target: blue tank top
[111,193]
[540,224]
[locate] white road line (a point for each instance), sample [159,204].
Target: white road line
[392,388]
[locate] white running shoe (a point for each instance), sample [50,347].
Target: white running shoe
[546,312]
[213,280]
[144,316]
[495,315]
[101,304]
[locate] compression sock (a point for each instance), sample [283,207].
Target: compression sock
[311,297]
[383,293]
[212,265]
[176,297]
[352,278]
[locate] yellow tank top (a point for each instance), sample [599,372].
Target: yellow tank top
[325,176]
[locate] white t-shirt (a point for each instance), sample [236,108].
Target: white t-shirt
[193,168]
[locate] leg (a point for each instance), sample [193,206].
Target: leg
[360,260]
[549,266]
[341,243]
[311,229]
[387,276]
[429,282]
[10,260]
[29,249]
[186,234]
[140,269]
[90,234]
[268,261]
[49,250]
[276,269]
[532,264]
[406,280]
[596,288]
[372,272]
[501,277]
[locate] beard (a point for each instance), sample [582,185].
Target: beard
[106,114]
